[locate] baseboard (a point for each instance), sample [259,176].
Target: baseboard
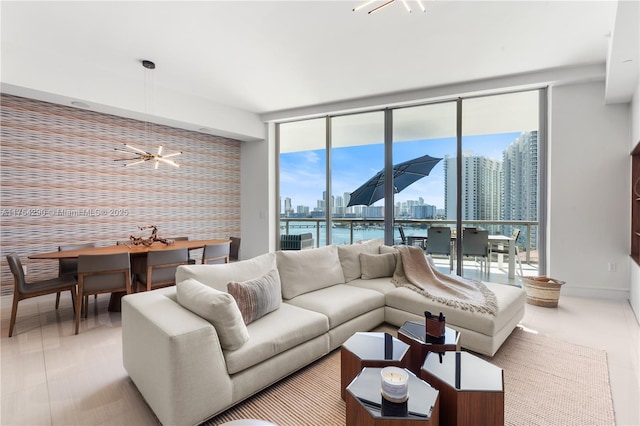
[596,292]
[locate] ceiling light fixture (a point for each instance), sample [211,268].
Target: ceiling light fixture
[142,156]
[387,3]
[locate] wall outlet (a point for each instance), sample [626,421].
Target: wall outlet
[612,267]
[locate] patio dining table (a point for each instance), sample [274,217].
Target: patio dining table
[493,239]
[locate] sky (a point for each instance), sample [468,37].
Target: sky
[302,174]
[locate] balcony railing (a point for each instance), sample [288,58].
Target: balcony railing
[290,226]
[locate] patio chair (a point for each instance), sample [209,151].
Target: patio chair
[439,242]
[500,249]
[475,243]
[25,290]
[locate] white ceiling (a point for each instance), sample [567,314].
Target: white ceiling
[260,58]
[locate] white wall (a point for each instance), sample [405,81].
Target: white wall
[256,199]
[589,205]
[589,202]
[634,268]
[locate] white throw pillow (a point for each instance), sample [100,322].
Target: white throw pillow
[350,258]
[217,307]
[218,275]
[377,265]
[302,271]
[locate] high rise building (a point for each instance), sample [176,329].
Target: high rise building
[481,187]
[520,166]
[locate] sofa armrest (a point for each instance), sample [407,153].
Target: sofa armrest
[174,358]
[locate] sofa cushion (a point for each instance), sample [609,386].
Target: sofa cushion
[510,300]
[340,303]
[350,257]
[308,270]
[217,307]
[377,265]
[218,275]
[275,333]
[257,297]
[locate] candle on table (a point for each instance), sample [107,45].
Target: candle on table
[395,384]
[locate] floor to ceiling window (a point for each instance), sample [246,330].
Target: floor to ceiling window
[489,143]
[357,155]
[419,131]
[303,177]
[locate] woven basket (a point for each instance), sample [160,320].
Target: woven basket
[542,291]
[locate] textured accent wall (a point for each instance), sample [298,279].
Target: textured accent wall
[59,183]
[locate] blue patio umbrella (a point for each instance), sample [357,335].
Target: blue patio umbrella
[404,174]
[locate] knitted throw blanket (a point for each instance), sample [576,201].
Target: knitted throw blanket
[416,273]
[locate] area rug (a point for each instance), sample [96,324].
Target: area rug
[547,382]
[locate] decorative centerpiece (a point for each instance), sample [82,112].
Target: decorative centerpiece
[434,325]
[141,241]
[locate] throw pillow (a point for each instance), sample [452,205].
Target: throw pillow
[350,258]
[257,297]
[217,307]
[303,271]
[377,265]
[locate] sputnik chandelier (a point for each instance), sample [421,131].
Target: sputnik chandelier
[387,3]
[141,156]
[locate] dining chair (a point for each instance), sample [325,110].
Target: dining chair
[161,268]
[101,273]
[192,261]
[25,290]
[69,266]
[439,242]
[216,253]
[234,249]
[501,249]
[475,243]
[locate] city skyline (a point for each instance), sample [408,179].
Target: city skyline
[303,173]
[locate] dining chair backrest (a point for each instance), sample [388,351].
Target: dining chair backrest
[103,273]
[439,240]
[475,242]
[234,249]
[161,267]
[70,265]
[18,273]
[515,234]
[216,253]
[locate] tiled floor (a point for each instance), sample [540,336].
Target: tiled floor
[52,377]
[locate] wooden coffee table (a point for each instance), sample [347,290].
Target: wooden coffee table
[364,402]
[471,389]
[370,350]
[413,333]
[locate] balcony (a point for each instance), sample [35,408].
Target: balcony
[349,231]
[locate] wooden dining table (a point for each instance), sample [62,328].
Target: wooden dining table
[127,248]
[137,254]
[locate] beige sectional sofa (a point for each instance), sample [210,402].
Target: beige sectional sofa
[191,355]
